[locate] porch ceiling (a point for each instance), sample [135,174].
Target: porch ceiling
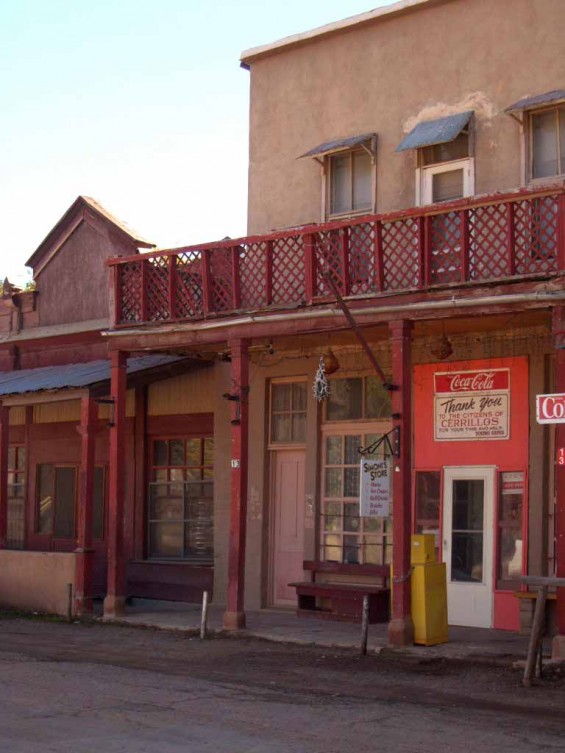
[93,375]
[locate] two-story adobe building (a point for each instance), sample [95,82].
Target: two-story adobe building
[407,223]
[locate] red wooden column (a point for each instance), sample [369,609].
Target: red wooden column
[114,603]
[4,446]
[559,639]
[234,616]
[84,551]
[401,627]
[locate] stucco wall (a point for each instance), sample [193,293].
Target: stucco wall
[383,78]
[36,581]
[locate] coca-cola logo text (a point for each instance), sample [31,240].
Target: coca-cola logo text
[472,381]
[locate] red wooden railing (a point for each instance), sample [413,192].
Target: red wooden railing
[471,240]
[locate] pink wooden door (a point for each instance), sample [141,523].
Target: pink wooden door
[288,523]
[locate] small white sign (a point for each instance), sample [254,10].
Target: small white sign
[374,492]
[550,409]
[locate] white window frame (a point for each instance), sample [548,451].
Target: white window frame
[424,178]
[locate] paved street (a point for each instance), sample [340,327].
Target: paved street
[103,688]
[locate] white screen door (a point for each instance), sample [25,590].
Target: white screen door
[468,498]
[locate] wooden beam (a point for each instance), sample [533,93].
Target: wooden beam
[4,447]
[84,551]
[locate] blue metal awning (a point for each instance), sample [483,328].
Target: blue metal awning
[527,103]
[335,146]
[439,131]
[74,375]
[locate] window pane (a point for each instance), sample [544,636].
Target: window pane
[332,517]
[299,396]
[333,482]
[160,452]
[166,539]
[332,548]
[346,399]
[333,451]
[98,504]
[351,517]
[468,498]
[510,509]
[467,557]
[65,480]
[299,427]
[193,453]
[427,501]
[209,451]
[544,141]
[45,499]
[281,397]
[362,194]
[281,427]
[456,149]
[340,170]
[176,447]
[11,457]
[377,399]
[351,550]
[447,186]
[562,138]
[351,482]
[21,458]
[372,550]
[352,444]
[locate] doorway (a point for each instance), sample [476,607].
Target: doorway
[468,504]
[288,502]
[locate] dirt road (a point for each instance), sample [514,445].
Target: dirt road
[104,689]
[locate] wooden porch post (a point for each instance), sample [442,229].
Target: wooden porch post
[114,603]
[234,616]
[559,639]
[401,627]
[84,551]
[4,446]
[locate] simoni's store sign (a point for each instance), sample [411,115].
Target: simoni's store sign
[471,405]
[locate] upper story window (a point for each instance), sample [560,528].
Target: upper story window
[547,142]
[348,168]
[542,117]
[350,183]
[445,165]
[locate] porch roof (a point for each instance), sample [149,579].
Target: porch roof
[78,375]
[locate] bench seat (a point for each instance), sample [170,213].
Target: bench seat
[343,601]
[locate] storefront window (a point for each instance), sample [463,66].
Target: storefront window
[181,500]
[427,507]
[345,536]
[510,534]
[16,497]
[357,398]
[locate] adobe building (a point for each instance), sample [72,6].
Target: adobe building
[407,224]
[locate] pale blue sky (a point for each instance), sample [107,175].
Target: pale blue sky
[140,104]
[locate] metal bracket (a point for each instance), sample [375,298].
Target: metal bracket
[385,440]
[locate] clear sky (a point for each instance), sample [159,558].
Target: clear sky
[137,103]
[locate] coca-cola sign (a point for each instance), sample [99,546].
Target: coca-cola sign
[472,405]
[550,409]
[472,381]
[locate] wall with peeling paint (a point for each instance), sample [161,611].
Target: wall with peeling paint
[386,76]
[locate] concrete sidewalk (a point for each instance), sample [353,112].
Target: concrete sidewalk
[283,626]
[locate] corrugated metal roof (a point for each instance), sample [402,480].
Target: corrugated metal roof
[73,375]
[335,146]
[527,103]
[439,131]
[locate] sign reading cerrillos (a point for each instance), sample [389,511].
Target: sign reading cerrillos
[374,492]
[472,405]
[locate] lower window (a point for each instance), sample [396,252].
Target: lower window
[181,500]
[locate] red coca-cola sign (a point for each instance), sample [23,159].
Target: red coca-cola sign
[550,409]
[484,380]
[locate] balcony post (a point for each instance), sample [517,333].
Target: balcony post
[234,616]
[4,448]
[84,551]
[401,627]
[114,603]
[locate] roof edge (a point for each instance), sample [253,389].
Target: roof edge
[294,40]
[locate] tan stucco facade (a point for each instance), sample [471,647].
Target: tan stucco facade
[36,581]
[384,76]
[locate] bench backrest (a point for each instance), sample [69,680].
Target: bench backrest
[338,568]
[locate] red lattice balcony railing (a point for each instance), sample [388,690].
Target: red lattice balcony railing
[473,240]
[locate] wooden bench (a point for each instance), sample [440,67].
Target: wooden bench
[343,601]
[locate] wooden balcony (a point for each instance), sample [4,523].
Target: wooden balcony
[479,240]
